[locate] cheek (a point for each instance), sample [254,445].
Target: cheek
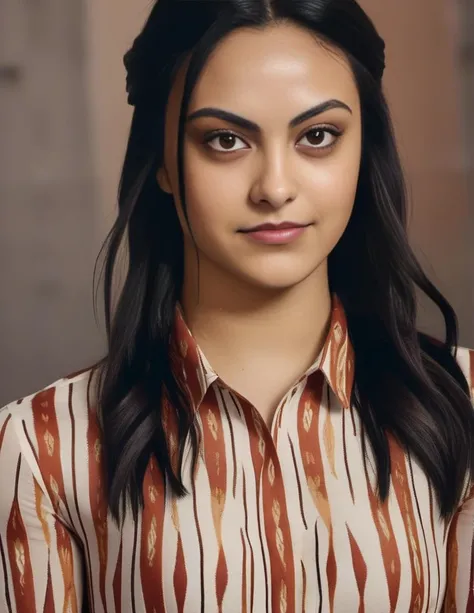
[333,189]
[215,196]
[338,176]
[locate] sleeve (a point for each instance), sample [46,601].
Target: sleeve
[41,565]
[460,543]
[460,561]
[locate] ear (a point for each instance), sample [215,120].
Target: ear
[163,180]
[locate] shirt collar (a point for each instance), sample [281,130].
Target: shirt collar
[335,361]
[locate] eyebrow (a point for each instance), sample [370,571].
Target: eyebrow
[251,126]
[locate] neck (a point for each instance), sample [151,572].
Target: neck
[232,320]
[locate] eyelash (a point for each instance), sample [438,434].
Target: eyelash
[324,128]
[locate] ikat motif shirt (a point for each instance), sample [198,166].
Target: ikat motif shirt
[280,520]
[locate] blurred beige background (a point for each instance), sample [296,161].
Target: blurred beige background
[64,122]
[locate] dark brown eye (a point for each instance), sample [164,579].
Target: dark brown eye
[225,141]
[319,138]
[316,137]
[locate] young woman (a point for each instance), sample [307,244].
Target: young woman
[269,432]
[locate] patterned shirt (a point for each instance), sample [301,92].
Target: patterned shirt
[284,520]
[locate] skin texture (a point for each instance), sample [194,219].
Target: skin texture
[270,303]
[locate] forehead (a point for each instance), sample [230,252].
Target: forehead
[274,68]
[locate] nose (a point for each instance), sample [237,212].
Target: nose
[275,183]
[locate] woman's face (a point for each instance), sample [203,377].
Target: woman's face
[273,136]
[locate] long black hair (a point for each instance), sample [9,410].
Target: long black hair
[405,383]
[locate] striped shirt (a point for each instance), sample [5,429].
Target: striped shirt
[280,520]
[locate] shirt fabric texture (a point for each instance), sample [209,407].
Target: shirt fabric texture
[285,520]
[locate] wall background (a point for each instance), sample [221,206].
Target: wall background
[65,119]
[466,63]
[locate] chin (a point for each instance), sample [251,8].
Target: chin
[277,279]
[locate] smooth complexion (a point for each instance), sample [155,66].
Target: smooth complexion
[273,136]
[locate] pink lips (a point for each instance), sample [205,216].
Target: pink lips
[276,234]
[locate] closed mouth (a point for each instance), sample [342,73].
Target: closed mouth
[286,225]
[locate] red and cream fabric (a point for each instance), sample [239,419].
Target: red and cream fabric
[280,521]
